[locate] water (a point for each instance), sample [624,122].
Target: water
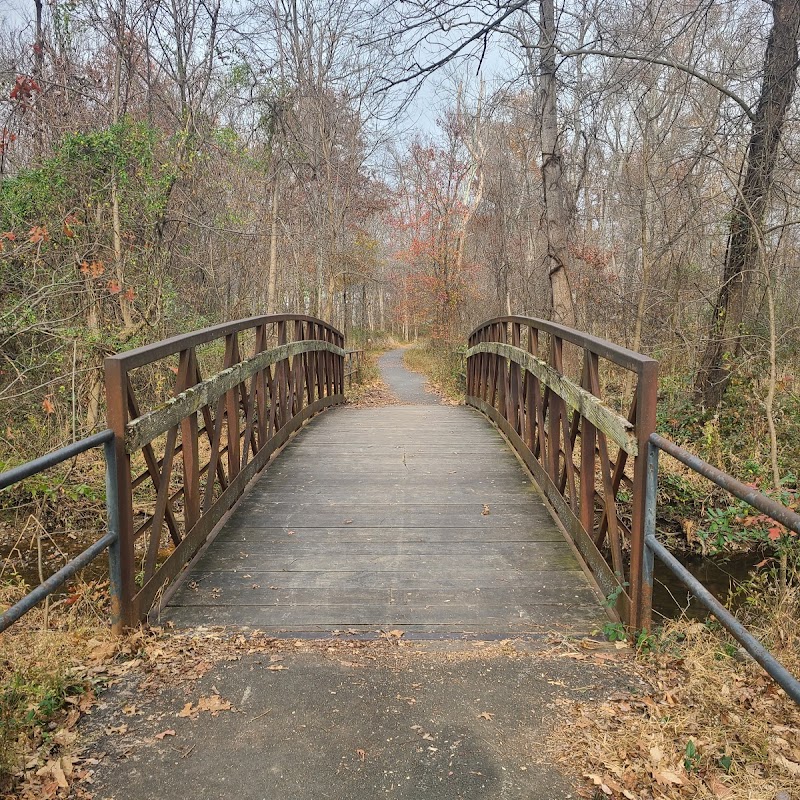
[718,574]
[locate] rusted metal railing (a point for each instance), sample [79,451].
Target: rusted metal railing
[352,365]
[224,429]
[577,447]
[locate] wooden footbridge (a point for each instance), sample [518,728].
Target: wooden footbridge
[225,507]
[415,515]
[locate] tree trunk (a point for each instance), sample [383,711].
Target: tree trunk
[741,256]
[38,76]
[555,208]
[272,280]
[124,303]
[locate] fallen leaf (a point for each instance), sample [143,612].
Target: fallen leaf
[598,781]
[65,738]
[276,667]
[791,767]
[58,773]
[485,511]
[486,715]
[362,754]
[102,650]
[666,777]
[188,711]
[119,730]
[161,735]
[214,704]
[719,789]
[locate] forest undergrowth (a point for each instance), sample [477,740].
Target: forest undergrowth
[710,723]
[55,661]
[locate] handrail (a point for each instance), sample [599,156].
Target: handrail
[108,542]
[516,377]
[752,496]
[148,353]
[224,429]
[628,359]
[654,548]
[53,459]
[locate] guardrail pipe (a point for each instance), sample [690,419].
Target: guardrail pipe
[112,520]
[760,654]
[55,581]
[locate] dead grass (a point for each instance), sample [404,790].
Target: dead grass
[50,672]
[713,724]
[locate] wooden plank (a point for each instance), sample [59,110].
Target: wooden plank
[612,424]
[265,547]
[201,591]
[557,586]
[346,560]
[327,619]
[248,537]
[255,512]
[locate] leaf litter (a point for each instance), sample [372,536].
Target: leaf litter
[710,724]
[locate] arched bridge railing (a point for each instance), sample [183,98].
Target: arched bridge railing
[542,384]
[181,464]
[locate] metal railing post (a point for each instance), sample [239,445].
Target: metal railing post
[112,521]
[648,557]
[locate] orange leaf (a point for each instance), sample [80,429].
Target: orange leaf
[47,405]
[38,233]
[114,287]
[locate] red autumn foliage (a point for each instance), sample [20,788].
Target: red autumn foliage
[23,91]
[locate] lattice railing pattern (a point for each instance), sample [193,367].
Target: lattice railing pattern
[184,463]
[542,384]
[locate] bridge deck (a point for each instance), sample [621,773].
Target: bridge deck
[408,516]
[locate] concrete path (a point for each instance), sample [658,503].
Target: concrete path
[413,516]
[423,721]
[406,386]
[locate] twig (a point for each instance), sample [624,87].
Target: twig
[262,714]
